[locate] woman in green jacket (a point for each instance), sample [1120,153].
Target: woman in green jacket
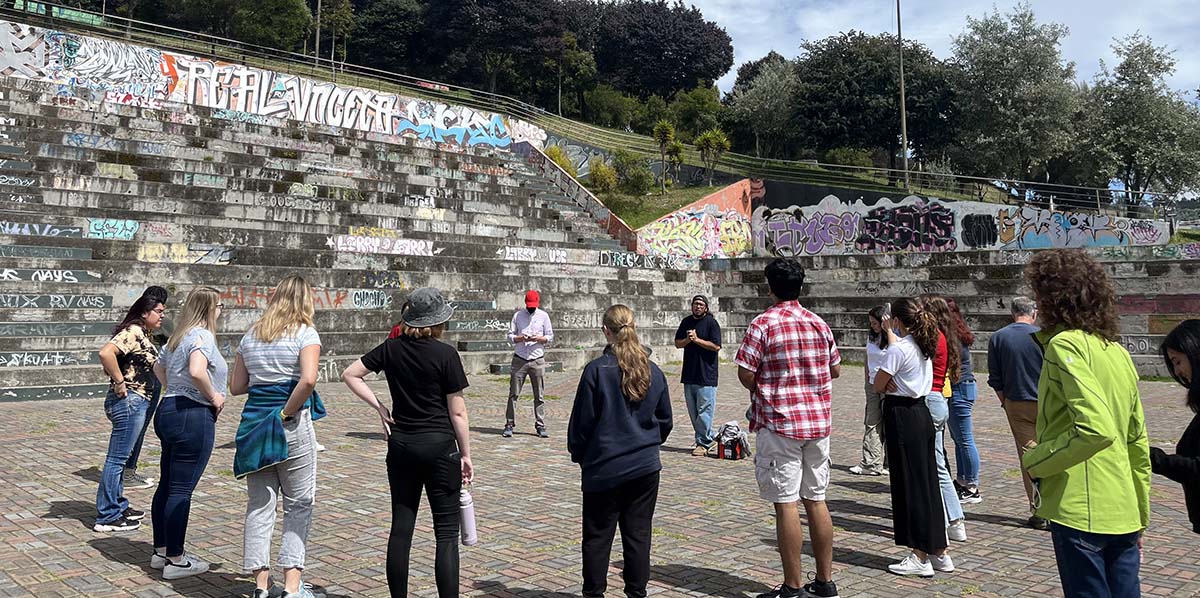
[1091,461]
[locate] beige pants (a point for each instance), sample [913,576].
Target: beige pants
[1022,419]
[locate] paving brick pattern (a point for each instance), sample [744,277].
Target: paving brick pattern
[712,535]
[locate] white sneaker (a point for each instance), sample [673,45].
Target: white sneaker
[941,563]
[957,531]
[860,470]
[191,566]
[911,565]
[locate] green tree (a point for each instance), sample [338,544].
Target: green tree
[1018,97]
[712,144]
[765,104]
[385,31]
[664,136]
[675,151]
[695,111]
[280,24]
[1146,134]
[847,95]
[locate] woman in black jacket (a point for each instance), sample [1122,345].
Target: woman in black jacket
[1181,350]
[622,414]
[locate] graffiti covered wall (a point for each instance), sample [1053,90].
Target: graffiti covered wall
[927,225]
[717,226]
[140,76]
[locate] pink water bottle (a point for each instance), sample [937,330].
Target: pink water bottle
[466,511]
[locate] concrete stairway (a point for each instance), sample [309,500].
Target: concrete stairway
[98,201]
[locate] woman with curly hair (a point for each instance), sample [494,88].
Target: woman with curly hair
[1091,460]
[962,402]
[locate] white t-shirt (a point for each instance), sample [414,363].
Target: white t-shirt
[912,371]
[875,357]
[272,363]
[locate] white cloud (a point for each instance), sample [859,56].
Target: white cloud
[759,26]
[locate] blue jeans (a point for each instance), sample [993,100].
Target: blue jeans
[940,412]
[136,453]
[127,415]
[1097,565]
[966,456]
[701,403]
[187,430]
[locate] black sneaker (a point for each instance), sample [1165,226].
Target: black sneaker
[542,433]
[133,514]
[969,496]
[120,525]
[782,591]
[507,433]
[820,589]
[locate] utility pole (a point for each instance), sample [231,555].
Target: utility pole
[317,51]
[903,109]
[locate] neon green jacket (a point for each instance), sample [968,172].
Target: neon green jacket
[1092,456]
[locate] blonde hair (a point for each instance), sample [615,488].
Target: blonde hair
[424,331]
[631,356]
[288,308]
[199,311]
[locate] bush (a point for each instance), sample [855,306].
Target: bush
[602,176]
[847,156]
[633,173]
[558,156]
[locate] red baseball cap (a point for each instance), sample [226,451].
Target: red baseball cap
[532,299]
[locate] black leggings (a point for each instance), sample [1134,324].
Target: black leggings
[432,462]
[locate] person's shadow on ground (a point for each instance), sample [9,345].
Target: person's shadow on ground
[709,581]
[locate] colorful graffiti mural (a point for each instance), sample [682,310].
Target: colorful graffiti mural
[924,225]
[717,226]
[140,76]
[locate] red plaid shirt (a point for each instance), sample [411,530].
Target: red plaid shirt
[791,350]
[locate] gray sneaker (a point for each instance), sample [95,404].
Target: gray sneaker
[131,479]
[190,566]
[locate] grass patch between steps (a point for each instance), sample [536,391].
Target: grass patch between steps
[639,211]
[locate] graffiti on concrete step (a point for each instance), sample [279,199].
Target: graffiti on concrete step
[625,259]
[45,251]
[28,359]
[383,245]
[544,255]
[39,230]
[17,181]
[370,299]
[86,141]
[383,279]
[112,228]
[53,301]
[10,329]
[183,253]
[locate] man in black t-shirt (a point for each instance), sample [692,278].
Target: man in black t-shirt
[699,336]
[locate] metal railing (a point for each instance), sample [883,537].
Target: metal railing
[880,180]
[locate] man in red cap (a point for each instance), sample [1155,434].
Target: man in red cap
[529,332]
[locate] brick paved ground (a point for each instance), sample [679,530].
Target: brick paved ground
[713,536]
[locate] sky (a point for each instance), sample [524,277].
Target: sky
[759,26]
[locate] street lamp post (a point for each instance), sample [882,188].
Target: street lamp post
[903,109]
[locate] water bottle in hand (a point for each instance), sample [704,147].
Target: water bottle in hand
[466,512]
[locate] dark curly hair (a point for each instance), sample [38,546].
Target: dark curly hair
[1074,290]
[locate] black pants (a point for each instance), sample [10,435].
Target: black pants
[917,512]
[432,462]
[631,505]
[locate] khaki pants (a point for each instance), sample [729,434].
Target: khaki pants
[1022,419]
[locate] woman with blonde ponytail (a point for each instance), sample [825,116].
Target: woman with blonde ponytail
[905,379]
[621,416]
